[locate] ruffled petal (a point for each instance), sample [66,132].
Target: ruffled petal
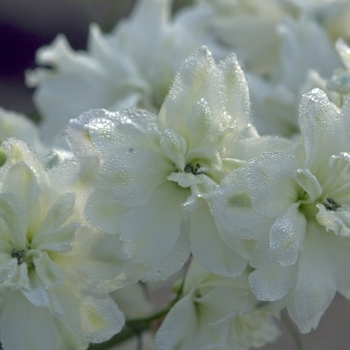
[25,326]
[270,178]
[132,176]
[287,236]
[209,249]
[15,215]
[59,212]
[150,231]
[322,130]
[315,287]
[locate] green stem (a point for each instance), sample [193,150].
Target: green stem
[294,333]
[136,326]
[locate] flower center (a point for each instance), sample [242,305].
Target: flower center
[18,254]
[330,204]
[195,169]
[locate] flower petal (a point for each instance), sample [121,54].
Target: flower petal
[23,183]
[104,212]
[89,312]
[270,179]
[287,236]
[25,326]
[315,288]
[15,215]
[150,231]
[132,176]
[209,249]
[59,212]
[321,127]
[233,208]
[49,273]
[59,240]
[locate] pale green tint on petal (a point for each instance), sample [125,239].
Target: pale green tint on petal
[26,327]
[287,236]
[322,129]
[209,249]
[16,151]
[237,101]
[101,318]
[309,183]
[315,288]
[15,215]
[150,231]
[132,176]
[67,340]
[174,147]
[89,313]
[270,178]
[60,240]
[104,212]
[59,212]
[337,221]
[23,183]
[233,207]
[50,274]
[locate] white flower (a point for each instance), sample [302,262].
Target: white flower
[19,126]
[248,28]
[134,65]
[339,83]
[52,268]
[301,201]
[215,312]
[305,46]
[159,172]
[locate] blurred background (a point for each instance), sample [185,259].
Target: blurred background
[26,25]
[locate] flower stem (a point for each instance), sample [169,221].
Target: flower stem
[293,332]
[134,327]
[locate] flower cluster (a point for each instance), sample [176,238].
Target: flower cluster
[158,154]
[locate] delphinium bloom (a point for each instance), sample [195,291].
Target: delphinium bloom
[248,28]
[18,125]
[216,312]
[299,203]
[159,172]
[338,86]
[279,43]
[134,65]
[54,268]
[305,46]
